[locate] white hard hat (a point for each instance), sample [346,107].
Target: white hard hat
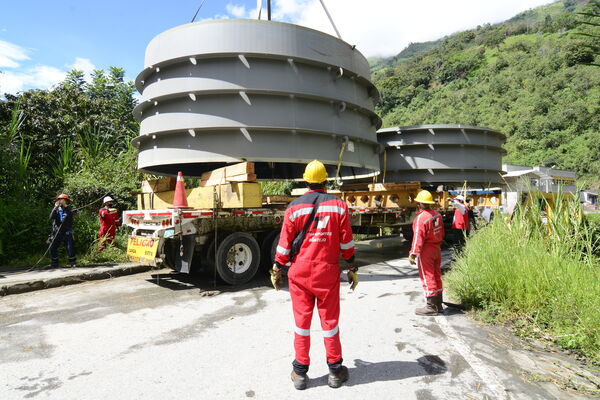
[107,199]
[460,197]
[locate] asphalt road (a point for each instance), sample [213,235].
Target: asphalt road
[156,336]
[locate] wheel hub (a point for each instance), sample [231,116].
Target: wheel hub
[239,258]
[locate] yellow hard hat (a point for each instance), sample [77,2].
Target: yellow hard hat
[424,197]
[315,172]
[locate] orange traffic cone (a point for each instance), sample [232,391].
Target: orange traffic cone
[180,198]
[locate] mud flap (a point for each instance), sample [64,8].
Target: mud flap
[183,263]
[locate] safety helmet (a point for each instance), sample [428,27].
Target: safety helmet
[424,197]
[63,196]
[460,197]
[107,199]
[315,172]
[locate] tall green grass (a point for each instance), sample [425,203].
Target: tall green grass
[540,273]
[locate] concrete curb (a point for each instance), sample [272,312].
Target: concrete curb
[71,279]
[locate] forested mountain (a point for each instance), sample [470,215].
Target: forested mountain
[528,77]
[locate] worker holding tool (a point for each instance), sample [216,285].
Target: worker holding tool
[316,228]
[425,252]
[62,230]
[109,221]
[460,222]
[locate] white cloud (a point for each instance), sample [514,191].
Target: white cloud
[240,11]
[385,27]
[15,78]
[236,11]
[85,65]
[40,77]
[11,54]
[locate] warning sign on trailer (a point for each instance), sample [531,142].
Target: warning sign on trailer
[142,250]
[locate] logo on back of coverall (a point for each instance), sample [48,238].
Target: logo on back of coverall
[321,236]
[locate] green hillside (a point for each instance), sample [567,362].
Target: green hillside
[526,77]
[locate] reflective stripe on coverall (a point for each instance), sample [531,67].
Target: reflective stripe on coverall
[428,233]
[109,220]
[314,275]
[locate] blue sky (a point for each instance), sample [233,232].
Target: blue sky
[41,40]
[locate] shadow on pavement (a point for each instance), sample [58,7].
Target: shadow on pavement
[365,372]
[177,281]
[381,277]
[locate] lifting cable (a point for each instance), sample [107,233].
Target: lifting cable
[384,165]
[197,11]
[339,164]
[331,20]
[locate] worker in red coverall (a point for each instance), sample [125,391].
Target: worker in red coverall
[109,221]
[425,252]
[460,222]
[314,272]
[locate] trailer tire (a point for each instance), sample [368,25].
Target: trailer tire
[407,233]
[170,246]
[237,258]
[268,246]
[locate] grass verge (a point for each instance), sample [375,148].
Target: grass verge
[541,275]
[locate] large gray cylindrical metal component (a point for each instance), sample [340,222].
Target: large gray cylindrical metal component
[442,154]
[280,95]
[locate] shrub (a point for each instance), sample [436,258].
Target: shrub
[544,274]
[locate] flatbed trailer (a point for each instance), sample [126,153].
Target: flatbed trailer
[236,243]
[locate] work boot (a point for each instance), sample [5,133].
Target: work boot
[337,377]
[430,308]
[300,380]
[439,303]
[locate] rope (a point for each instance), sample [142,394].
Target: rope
[48,248]
[34,266]
[89,204]
[215,224]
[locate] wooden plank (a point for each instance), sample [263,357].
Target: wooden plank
[277,199]
[159,185]
[213,181]
[231,195]
[230,170]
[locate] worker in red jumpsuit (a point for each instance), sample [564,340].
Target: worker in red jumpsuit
[425,252]
[109,221]
[312,261]
[460,222]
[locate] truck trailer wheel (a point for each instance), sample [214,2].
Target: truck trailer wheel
[268,246]
[237,258]
[407,233]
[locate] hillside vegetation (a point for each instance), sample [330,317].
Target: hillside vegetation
[526,77]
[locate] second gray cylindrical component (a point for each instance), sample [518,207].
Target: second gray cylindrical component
[442,154]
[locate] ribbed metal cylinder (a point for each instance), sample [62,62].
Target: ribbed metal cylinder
[280,95]
[442,154]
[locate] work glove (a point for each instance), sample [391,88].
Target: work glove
[412,259]
[352,276]
[276,279]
